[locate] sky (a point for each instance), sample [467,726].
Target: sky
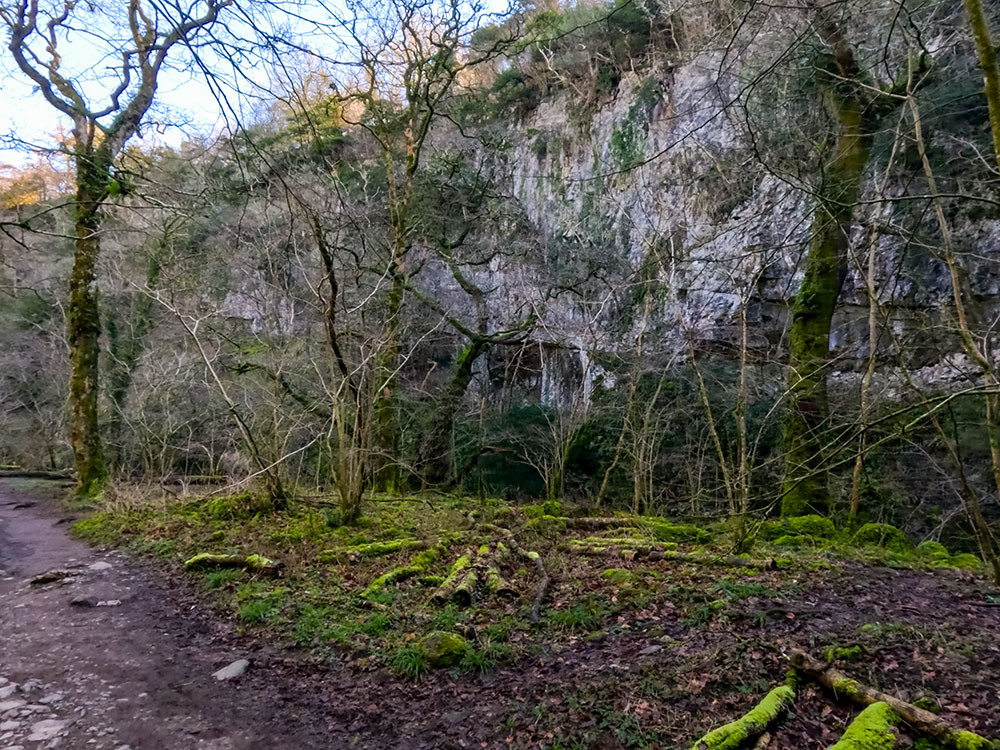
[186,105]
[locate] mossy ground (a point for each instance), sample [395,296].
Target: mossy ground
[654,658]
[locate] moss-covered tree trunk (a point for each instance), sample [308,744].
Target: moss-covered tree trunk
[435,452]
[85,328]
[806,420]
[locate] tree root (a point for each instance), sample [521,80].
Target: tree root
[920,720]
[752,724]
[259,563]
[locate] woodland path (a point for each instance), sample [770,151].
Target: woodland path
[133,675]
[138,675]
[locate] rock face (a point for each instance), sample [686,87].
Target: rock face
[664,176]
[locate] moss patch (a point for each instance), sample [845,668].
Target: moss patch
[872,729]
[882,535]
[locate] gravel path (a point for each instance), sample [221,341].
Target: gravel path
[102,657]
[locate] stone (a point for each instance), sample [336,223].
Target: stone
[9,726]
[47,729]
[51,698]
[650,650]
[110,603]
[12,705]
[99,566]
[7,690]
[442,649]
[231,671]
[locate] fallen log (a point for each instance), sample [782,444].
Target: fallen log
[58,476]
[258,563]
[458,568]
[650,552]
[920,720]
[872,728]
[415,567]
[545,580]
[752,725]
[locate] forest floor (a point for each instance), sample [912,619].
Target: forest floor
[121,648]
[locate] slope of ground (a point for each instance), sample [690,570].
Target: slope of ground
[651,655]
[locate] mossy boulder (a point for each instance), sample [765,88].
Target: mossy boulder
[547,526]
[618,576]
[795,541]
[442,649]
[800,526]
[664,531]
[882,535]
[548,508]
[965,561]
[932,550]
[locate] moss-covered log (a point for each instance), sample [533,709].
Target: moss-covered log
[647,552]
[751,725]
[464,592]
[920,720]
[544,579]
[417,566]
[497,585]
[380,549]
[208,560]
[872,729]
[455,574]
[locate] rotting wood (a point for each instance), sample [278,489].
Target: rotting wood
[920,720]
[753,724]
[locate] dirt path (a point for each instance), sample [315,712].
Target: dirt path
[134,671]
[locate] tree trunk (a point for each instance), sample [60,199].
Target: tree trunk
[805,486]
[435,455]
[84,332]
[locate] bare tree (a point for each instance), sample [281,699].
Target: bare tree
[140,34]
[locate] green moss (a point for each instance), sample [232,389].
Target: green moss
[547,525]
[882,535]
[969,741]
[379,549]
[872,729]
[928,704]
[802,528]
[846,687]
[442,649]
[932,550]
[734,734]
[965,561]
[665,531]
[843,653]
[618,576]
[548,508]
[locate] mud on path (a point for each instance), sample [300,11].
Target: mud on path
[111,658]
[136,672]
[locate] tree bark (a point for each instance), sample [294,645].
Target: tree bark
[805,486]
[85,329]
